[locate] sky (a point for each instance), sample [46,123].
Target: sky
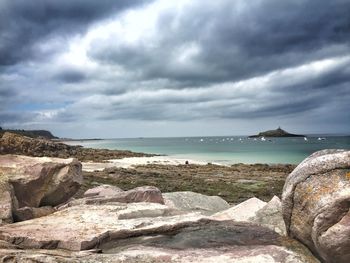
[109,69]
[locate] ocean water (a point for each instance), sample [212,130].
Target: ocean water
[228,149]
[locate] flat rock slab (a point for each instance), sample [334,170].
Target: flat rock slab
[204,241]
[195,202]
[139,194]
[86,226]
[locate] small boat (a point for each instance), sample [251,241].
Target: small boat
[305,139]
[263,139]
[321,138]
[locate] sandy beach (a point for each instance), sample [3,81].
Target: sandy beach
[136,161]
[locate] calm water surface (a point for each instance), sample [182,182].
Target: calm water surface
[228,149]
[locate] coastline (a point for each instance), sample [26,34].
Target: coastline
[225,150]
[127,170]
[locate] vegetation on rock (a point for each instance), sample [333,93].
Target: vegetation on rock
[11,143]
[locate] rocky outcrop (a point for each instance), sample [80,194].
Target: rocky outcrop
[111,225]
[316,202]
[31,133]
[27,183]
[11,143]
[190,201]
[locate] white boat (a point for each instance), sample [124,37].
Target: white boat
[321,138]
[263,139]
[305,139]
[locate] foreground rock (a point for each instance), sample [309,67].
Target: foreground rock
[28,183]
[190,201]
[316,204]
[144,232]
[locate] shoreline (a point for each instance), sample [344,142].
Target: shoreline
[131,162]
[223,150]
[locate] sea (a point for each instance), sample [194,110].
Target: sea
[226,149]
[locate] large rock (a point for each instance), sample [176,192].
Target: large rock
[316,202]
[241,212]
[195,202]
[35,182]
[144,232]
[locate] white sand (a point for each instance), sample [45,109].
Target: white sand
[134,161]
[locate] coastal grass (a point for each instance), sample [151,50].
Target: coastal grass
[234,183]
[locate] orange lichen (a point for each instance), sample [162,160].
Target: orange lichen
[348,175]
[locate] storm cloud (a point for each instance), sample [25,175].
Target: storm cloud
[239,65]
[24,25]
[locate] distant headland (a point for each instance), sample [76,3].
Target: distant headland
[41,134]
[276,133]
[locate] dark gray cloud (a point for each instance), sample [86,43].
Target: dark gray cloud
[235,40]
[70,75]
[17,118]
[25,24]
[95,63]
[6,92]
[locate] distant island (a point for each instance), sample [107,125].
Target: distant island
[276,133]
